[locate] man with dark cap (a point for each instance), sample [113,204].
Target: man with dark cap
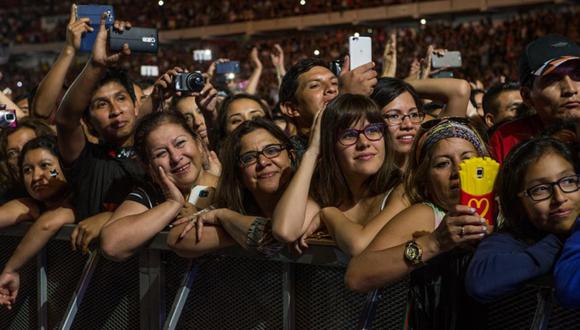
[549,71]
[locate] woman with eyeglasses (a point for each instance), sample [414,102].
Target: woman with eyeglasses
[344,180]
[431,232]
[401,107]
[539,195]
[258,164]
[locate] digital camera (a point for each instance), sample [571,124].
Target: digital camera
[7,118]
[188,82]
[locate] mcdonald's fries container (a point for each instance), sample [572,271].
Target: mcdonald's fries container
[477,177]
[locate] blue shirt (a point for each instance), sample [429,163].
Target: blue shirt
[502,265]
[567,271]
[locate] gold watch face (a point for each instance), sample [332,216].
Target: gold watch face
[411,252]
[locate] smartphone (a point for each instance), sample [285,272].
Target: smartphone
[140,40]
[228,67]
[201,196]
[202,55]
[7,118]
[94,12]
[450,59]
[360,51]
[443,74]
[149,70]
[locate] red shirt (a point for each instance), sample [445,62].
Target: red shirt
[512,133]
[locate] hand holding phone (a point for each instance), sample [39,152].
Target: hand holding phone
[93,13]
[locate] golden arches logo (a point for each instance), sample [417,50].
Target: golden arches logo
[477,203]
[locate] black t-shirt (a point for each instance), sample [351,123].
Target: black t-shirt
[101,178]
[148,194]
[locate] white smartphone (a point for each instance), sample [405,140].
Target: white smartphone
[201,196]
[149,70]
[450,59]
[360,51]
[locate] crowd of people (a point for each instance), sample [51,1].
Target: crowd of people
[484,44]
[369,157]
[29,27]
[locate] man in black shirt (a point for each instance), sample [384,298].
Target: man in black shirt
[102,174]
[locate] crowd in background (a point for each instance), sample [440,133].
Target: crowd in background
[373,157]
[481,44]
[28,28]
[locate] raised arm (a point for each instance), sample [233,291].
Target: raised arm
[277,57]
[44,102]
[352,237]
[295,209]
[254,80]
[71,139]
[453,92]
[390,57]
[361,80]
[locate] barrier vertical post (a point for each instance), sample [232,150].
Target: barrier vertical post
[42,290]
[181,296]
[151,290]
[79,292]
[288,279]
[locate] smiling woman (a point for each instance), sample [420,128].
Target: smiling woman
[349,172]
[426,239]
[258,163]
[173,155]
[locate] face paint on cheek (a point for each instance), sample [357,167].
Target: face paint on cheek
[53,173]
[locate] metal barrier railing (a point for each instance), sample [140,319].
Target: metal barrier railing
[159,290]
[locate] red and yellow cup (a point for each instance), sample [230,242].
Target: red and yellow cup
[477,180]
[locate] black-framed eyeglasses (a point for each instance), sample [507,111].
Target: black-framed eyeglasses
[396,119]
[434,122]
[350,136]
[544,191]
[270,151]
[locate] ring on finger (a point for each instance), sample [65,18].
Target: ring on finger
[462,231]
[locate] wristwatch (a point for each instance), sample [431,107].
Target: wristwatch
[413,252]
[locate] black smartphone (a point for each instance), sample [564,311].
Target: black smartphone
[140,40]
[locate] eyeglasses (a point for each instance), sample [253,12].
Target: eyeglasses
[396,119]
[544,191]
[372,132]
[270,151]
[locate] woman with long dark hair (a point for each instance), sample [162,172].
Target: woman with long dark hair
[345,178]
